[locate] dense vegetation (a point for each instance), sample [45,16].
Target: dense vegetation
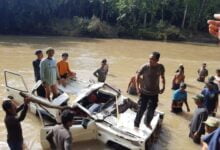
[146,19]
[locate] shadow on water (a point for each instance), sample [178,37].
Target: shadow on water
[193,87]
[185,115]
[39,41]
[162,141]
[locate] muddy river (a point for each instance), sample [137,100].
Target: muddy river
[124,58]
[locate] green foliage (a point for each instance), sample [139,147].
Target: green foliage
[149,19]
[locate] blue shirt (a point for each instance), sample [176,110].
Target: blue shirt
[179,95]
[213,140]
[209,98]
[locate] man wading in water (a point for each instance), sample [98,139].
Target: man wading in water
[149,88]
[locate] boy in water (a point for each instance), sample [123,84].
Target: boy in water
[203,73]
[64,70]
[102,72]
[179,97]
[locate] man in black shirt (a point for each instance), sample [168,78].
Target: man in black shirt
[36,66]
[12,122]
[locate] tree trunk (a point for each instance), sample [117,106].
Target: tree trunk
[145,19]
[184,16]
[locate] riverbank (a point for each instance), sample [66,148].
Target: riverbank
[95,28]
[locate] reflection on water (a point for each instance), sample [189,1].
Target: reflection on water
[124,57]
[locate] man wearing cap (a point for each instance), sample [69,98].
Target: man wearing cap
[64,70]
[36,66]
[211,124]
[203,73]
[200,115]
[211,141]
[60,137]
[49,74]
[148,88]
[179,97]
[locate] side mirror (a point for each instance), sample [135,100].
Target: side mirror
[85,123]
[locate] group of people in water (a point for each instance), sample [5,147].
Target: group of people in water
[145,84]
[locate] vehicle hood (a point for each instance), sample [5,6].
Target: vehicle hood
[125,125]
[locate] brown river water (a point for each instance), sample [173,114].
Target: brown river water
[124,58]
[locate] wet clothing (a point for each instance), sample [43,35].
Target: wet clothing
[62,138]
[179,95]
[200,115]
[63,68]
[203,73]
[101,73]
[48,71]
[147,104]
[14,130]
[151,78]
[213,140]
[175,86]
[178,98]
[210,99]
[36,66]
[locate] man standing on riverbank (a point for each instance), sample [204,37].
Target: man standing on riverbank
[49,74]
[149,88]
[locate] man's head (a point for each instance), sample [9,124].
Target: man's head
[67,118]
[50,52]
[182,86]
[218,72]
[203,65]
[154,58]
[39,54]
[104,62]
[65,56]
[199,99]
[211,124]
[9,107]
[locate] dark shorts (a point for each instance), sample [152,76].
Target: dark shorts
[64,76]
[176,106]
[175,86]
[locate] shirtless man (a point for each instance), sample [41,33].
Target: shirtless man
[178,78]
[203,73]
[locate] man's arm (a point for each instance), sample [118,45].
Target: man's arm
[49,138]
[203,117]
[96,73]
[42,68]
[19,108]
[163,83]
[68,144]
[22,116]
